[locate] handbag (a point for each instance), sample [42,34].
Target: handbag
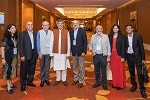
[145,74]
[108,72]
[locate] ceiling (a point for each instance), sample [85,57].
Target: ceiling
[79,9]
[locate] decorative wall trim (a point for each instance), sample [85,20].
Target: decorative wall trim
[147,47]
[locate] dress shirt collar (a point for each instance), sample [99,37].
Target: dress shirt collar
[101,34]
[30,31]
[130,35]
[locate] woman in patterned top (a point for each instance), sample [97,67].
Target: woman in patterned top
[9,56]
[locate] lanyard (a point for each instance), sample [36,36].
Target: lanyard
[14,41]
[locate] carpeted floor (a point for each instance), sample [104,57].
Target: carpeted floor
[71,92]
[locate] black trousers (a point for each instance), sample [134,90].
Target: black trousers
[27,71]
[132,63]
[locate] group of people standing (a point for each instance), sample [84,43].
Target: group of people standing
[56,46]
[50,47]
[115,49]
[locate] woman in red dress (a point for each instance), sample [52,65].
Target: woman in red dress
[117,43]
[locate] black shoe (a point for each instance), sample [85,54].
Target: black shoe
[105,87]
[113,86]
[75,82]
[133,88]
[80,85]
[23,88]
[47,82]
[13,86]
[10,91]
[42,84]
[31,84]
[56,83]
[95,85]
[65,83]
[118,88]
[143,94]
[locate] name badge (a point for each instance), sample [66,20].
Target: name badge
[15,50]
[74,42]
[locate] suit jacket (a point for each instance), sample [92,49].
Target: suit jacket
[137,45]
[120,45]
[81,42]
[25,47]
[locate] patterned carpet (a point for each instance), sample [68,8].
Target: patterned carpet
[71,92]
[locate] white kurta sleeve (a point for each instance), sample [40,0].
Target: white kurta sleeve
[51,44]
[68,49]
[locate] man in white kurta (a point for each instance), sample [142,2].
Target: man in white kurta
[61,52]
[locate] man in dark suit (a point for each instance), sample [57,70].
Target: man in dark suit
[135,55]
[78,40]
[28,56]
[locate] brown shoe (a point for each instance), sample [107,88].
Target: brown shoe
[80,85]
[56,83]
[75,82]
[65,83]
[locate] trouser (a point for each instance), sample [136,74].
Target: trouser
[44,67]
[61,75]
[78,68]
[100,62]
[131,60]
[27,71]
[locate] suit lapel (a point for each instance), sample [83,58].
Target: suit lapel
[73,34]
[28,37]
[127,40]
[133,39]
[34,35]
[77,33]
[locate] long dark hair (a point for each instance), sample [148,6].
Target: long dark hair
[8,34]
[111,33]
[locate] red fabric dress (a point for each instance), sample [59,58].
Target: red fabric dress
[117,67]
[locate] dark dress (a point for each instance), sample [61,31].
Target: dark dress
[11,57]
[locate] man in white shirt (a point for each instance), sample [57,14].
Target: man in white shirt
[135,56]
[28,56]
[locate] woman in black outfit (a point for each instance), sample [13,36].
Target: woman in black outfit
[10,56]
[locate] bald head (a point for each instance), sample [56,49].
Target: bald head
[75,24]
[99,29]
[45,25]
[29,26]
